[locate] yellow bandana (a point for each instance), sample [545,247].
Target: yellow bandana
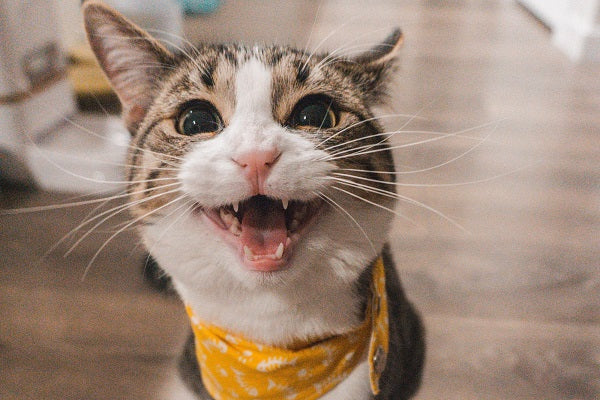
[233,367]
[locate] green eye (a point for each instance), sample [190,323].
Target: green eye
[199,118]
[314,112]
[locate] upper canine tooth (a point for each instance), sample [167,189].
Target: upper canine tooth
[279,252]
[285,203]
[236,206]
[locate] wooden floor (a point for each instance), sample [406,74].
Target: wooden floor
[511,298]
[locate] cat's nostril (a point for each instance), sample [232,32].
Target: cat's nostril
[257,165]
[257,159]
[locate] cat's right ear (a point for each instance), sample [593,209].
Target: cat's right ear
[132,60]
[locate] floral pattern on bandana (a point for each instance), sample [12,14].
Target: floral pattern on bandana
[233,367]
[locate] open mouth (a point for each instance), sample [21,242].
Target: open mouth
[263,230]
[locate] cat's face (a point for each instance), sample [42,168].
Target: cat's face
[246,164]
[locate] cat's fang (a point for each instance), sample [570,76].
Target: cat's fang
[285,203]
[279,252]
[236,206]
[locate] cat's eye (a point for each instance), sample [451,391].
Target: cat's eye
[198,118]
[314,111]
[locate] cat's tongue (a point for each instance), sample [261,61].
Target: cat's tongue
[263,229]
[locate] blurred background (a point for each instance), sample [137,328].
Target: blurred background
[499,106]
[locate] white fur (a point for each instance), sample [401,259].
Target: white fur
[315,296]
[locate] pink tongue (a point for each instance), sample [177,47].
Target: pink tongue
[263,226]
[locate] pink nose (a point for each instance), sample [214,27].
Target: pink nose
[257,166]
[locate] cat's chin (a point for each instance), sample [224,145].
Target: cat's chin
[262,231]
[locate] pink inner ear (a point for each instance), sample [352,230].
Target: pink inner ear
[130,57]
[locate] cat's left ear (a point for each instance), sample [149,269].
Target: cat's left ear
[133,61]
[376,64]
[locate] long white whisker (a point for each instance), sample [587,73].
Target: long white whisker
[363,122]
[190,205]
[15,211]
[396,196]
[447,162]
[361,151]
[85,178]
[125,227]
[337,206]
[388,135]
[382,193]
[312,29]
[129,166]
[111,213]
[474,182]
[325,39]
[129,146]
[332,54]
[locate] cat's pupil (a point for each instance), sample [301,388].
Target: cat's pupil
[199,119]
[317,115]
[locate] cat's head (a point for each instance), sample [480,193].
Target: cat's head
[251,165]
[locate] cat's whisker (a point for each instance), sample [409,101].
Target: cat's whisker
[163,40]
[431,168]
[382,192]
[134,221]
[364,121]
[103,162]
[336,206]
[339,153]
[342,49]
[190,205]
[87,178]
[412,118]
[399,197]
[312,29]
[333,32]
[88,215]
[130,146]
[176,36]
[150,66]
[392,133]
[451,184]
[365,149]
[111,213]
[15,211]
[346,56]
[88,218]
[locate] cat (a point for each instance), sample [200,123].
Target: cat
[260,179]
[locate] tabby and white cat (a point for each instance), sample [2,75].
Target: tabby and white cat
[259,176]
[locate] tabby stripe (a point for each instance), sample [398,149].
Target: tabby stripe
[207,76]
[139,146]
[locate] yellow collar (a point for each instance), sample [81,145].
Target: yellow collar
[233,367]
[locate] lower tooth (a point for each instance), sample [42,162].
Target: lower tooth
[279,252]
